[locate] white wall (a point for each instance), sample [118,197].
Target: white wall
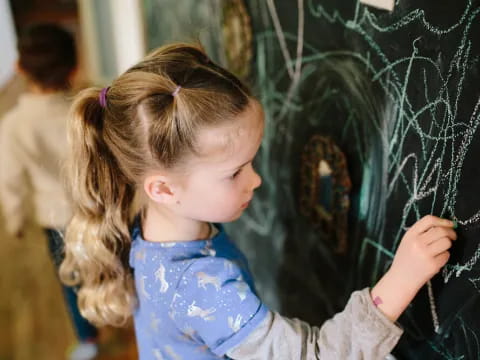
[128,31]
[113,37]
[8,43]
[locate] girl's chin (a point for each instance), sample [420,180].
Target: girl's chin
[230,218]
[234,217]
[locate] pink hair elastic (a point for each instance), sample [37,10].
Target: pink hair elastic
[102,97]
[177,89]
[377,301]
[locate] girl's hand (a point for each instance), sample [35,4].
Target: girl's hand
[421,254]
[423,250]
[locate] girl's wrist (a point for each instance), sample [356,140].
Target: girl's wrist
[404,282]
[392,294]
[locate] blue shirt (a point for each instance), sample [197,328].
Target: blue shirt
[196,298]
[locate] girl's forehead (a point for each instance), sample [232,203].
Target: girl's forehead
[228,140]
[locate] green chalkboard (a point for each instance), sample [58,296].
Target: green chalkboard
[398,93]
[394,98]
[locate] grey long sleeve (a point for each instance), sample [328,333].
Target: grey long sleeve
[360,331]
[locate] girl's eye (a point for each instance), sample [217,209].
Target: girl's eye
[233,176]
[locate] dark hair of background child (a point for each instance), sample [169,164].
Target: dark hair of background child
[47,54]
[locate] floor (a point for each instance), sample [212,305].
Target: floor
[33,319]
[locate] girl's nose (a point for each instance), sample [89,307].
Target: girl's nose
[257,180]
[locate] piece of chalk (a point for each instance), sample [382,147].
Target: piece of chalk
[380,4]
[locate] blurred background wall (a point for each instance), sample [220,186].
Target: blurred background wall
[8,41]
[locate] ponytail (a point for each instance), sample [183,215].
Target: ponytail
[97,240]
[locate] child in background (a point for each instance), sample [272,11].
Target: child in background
[32,148]
[179,134]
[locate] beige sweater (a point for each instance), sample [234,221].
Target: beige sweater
[359,332]
[33,146]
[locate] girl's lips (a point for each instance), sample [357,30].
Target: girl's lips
[244,206]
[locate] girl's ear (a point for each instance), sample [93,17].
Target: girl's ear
[158,189]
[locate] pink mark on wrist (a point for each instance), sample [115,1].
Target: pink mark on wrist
[377,301]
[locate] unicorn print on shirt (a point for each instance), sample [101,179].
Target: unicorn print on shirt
[157,354]
[205,279]
[143,291]
[160,275]
[208,250]
[235,325]
[174,356]
[172,311]
[167,244]
[242,288]
[197,311]
[188,333]
[154,322]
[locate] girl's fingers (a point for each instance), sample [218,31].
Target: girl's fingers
[442,258]
[439,246]
[436,233]
[428,222]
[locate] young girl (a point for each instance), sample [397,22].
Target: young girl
[181,133]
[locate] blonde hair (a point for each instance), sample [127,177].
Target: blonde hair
[142,126]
